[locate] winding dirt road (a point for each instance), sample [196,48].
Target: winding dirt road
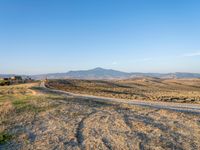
[180,107]
[52,119]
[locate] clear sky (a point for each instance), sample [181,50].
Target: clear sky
[43,36]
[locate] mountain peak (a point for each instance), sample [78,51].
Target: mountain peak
[98,68]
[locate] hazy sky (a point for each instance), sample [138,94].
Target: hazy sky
[42,36]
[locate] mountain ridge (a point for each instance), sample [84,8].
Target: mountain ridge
[101,73]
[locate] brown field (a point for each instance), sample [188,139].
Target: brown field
[151,89]
[32,117]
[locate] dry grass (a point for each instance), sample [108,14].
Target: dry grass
[173,90]
[5,109]
[46,120]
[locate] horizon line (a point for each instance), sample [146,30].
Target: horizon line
[27,74]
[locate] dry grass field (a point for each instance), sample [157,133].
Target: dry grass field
[32,117]
[151,89]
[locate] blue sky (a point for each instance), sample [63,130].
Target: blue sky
[43,36]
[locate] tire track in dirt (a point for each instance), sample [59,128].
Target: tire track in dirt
[103,128]
[75,123]
[79,131]
[143,125]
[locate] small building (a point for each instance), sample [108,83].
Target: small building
[11,80]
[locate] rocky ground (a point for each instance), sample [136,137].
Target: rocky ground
[32,117]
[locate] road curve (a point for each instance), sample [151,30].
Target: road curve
[180,107]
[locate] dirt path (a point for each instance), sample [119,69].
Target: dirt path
[193,108]
[84,123]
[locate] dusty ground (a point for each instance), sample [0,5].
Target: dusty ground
[149,89]
[36,118]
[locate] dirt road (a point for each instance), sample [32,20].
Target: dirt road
[50,119]
[193,108]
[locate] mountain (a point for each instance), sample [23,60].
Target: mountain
[101,73]
[97,73]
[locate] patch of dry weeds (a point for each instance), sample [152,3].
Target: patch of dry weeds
[52,121]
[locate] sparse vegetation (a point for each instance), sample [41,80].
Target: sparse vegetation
[5,137]
[32,117]
[150,89]
[3,83]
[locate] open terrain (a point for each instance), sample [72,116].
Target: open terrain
[149,89]
[34,117]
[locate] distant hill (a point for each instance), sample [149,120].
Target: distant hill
[167,75]
[101,73]
[11,75]
[183,75]
[97,73]
[6,75]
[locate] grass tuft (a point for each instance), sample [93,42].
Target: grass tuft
[5,137]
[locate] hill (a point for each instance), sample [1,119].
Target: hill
[101,73]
